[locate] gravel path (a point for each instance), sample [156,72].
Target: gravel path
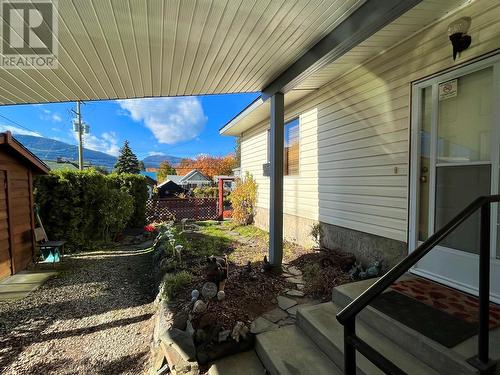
[94,318]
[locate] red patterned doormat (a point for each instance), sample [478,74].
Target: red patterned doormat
[448,300]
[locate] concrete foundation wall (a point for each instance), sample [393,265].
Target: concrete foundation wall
[295,228]
[365,246]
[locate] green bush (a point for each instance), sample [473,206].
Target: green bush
[206,192]
[135,186]
[82,207]
[174,282]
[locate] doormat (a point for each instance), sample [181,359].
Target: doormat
[435,324]
[448,300]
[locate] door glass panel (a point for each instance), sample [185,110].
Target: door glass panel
[425,151]
[456,187]
[465,107]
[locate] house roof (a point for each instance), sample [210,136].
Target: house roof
[151,175]
[22,152]
[194,175]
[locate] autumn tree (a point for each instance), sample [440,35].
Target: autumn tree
[208,165]
[165,170]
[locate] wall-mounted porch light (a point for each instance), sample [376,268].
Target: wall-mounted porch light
[457,31]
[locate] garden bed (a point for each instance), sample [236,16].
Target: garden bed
[249,292]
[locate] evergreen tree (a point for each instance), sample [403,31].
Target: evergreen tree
[127,161]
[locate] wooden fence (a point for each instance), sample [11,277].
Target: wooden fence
[182,208]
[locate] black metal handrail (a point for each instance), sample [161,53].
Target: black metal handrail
[347,316]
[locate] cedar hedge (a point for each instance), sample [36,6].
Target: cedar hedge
[86,207]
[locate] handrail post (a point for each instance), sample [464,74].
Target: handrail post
[349,349]
[482,361]
[484,285]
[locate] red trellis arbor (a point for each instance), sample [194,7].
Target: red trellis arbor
[220,183]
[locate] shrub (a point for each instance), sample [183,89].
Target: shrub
[174,282]
[81,207]
[135,186]
[243,199]
[206,192]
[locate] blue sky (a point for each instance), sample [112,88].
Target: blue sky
[182,126]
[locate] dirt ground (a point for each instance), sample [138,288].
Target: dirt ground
[94,318]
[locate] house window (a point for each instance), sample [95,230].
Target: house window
[291,152]
[291,157]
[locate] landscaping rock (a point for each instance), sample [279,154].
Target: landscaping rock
[209,290]
[287,322]
[275,315]
[260,325]
[180,320]
[294,293]
[181,341]
[294,271]
[224,335]
[285,302]
[293,310]
[199,307]
[295,280]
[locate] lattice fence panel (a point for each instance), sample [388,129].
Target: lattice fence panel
[178,209]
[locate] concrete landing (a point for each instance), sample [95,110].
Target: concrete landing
[20,285]
[246,363]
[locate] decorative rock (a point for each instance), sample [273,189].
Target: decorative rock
[300,286]
[200,336]
[295,280]
[189,328]
[180,320]
[199,307]
[294,293]
[260,325]
[195,294]
[221,296]
[209,290]
[294,271]
[275,315]
[240,330]
[224,335]
[285,303]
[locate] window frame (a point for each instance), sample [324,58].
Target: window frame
[268,151]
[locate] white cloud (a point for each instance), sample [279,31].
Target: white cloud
[152,153]
[48,115]
[15,130]
[171,120]
[107,142]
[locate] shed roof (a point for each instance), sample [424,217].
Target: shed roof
[22,152]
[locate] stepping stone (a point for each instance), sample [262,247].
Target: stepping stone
[285,302]
[287,322]
[300,286]
[260,325]
[294,271]
[295,280]
[294,293]
[275,315]
[293,310]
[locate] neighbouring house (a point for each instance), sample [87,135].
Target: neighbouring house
[191,180]
[17,223]
[393,147]
[151,181]
[169,189]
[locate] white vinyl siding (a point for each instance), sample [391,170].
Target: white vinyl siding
[354,136]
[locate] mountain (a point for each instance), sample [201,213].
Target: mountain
[154,161]
[50,149]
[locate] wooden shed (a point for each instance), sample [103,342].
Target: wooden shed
[17,223]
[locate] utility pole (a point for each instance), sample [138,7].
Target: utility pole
[80,141]
[78,127]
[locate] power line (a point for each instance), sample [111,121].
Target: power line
[18,124]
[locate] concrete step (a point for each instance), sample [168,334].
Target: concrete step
[320,324]
[289,351]
[246,363]
[435,355]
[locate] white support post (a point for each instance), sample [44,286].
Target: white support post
[276,197]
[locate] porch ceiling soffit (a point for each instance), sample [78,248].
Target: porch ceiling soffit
[413,21]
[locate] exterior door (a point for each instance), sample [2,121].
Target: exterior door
[455,159]
[5,258]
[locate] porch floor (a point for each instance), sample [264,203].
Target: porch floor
[20,285]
